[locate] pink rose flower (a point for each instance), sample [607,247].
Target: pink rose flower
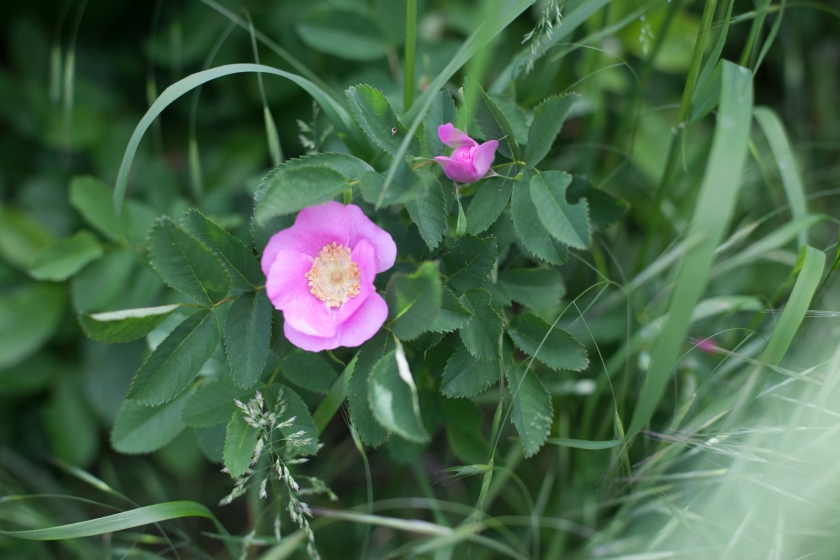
[470,161]
[320,275]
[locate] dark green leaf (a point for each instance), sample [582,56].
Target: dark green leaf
[65,257]
[378,120]
[247,336]
[71,426]
[143,429]
[289,188]
[212,403]
[369,430]
[125,325]
[238,260]
[393,397]
[538,288]
[515,116]
[468,444]
[413,301]
[406,186]
[102,281]
[350,167]
[95,202]
[308,370]
[429,212]
[451,316]
[303,420]
[604,208]
[176,360]
[344,34]
[464,376]
[554,347]
[470,261]
[548,120]
[567,223]
[28,317]
[186,264]
[211,441]
[532,409]
[488,203]
[528,227]
[21,238]
[240,442]
[482,332]
[442,111]
[492,121]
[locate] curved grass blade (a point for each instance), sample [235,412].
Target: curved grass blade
[334,111]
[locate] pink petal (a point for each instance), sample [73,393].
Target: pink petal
[457,171]
[286,279]
[327,223]
[453,137]
[367,320]
[483,158]
[309,315]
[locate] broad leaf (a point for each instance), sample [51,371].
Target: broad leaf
[451,315]
[289,188]
[238,260]
[369,430]
[303,420]
[212,403]
[65,257]
[488,203]
[240,442]
[247,336]
[406,186]
[101,282]
[532,409]
[344,34]
[548,120]
[464,376]
[393,397]
[143,429]
[528,227]
[125,325]
[378,120]
[567,223]
[492,121]
[21,238]
[176,360]
[186,264]
[29,315]
[470,261]
[442,111]
[515,116]
[604,208]
[95,202]
[413,301]
[538,288]
[482,332]
[308,370]
[554,347]
[350,167]
[211,441]
[429,213]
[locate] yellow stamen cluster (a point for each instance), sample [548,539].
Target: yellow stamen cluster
[334,277]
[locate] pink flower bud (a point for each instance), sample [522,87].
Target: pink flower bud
[470,161]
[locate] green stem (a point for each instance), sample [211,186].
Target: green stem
[410,48]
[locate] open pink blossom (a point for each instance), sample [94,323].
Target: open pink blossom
[470,161]
[320,275]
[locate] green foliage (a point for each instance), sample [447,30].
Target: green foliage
[393,397]
[492,121]
[538,288]
[429,213]
[143,429]
[554,347]
[177,360]
[310,371]
[240,440]
[465,376]
[212,403]
[378,120]
[125,325]
[451,316]
[247,336]
[481,333]
[567,223]
[488,204]
[470,261]
[441,111]
[407,185]
[548,120]
[29,316]
[186,264]
[532,408]
[361,415]
[94,201]
[531,232]
[413,301]
[65,257]
[288,190]
[303,423]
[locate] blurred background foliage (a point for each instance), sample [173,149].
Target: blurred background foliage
[77,76]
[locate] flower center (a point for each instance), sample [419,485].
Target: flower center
[334,277]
